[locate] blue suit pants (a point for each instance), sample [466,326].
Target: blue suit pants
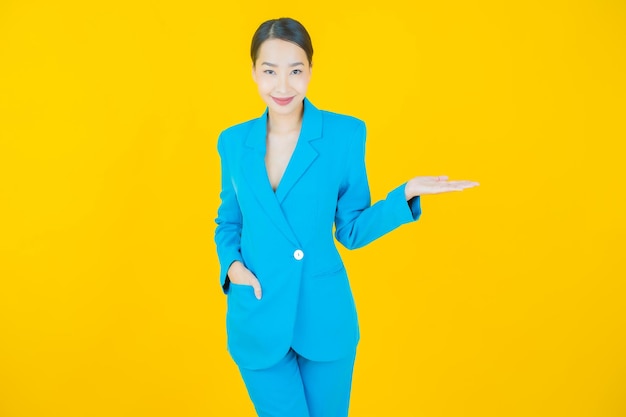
[299,387]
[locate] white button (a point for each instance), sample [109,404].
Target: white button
[298,254]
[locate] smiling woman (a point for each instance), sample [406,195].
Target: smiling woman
[287,177]
[282,74]
[282,79]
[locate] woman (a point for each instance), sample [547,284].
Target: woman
[287,177]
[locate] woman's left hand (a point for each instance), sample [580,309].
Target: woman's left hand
[434,185]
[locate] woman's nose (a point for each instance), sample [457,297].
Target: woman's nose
[282,84]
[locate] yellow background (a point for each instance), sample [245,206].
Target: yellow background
[504,300]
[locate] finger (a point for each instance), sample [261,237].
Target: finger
[435,178]
[256,286]
[469,184]
[463,183]
[448,187]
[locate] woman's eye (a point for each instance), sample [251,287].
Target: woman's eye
[269,72]
[296,71]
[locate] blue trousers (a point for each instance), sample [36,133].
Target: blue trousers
[299,387]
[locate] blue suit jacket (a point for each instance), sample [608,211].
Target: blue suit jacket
[286,237]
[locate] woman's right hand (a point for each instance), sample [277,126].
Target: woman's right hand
[240,275]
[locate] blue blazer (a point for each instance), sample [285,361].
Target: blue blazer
[286,237]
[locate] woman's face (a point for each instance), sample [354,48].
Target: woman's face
[282,73]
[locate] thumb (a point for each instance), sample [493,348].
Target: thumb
[256,286]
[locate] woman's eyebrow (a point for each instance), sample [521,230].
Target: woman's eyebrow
[269,64]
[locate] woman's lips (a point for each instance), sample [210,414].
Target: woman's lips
[282,101]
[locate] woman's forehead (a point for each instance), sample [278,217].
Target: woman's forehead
[278,51]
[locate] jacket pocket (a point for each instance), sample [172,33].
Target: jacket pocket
[329,271]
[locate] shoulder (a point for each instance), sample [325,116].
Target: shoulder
[342,122]
[238,130]
[347,132]
[235,134]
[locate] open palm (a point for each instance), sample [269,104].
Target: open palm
[435,185]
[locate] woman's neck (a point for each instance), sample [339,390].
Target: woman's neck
[285,123]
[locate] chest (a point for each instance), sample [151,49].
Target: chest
[279,150]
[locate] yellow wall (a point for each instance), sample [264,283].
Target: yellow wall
[503,300]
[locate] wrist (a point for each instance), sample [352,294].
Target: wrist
[234,268]
[409,193]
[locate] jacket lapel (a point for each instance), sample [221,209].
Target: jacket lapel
[303,156]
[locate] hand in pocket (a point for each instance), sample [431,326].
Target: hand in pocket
[239,274]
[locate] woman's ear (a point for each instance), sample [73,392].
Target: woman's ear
[253,73]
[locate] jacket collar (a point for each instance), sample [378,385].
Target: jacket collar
[311,127]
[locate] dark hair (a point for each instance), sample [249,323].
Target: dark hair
[284,28]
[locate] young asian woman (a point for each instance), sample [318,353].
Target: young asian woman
[287,177]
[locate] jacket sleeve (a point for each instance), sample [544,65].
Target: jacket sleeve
[229,221]
[357,221]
